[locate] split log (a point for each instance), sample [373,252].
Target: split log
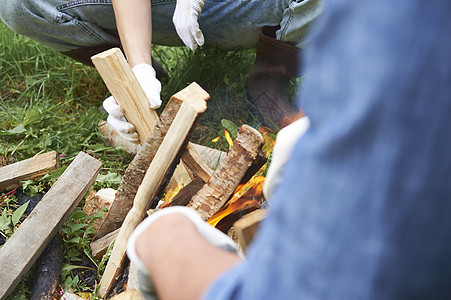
[247,227]
[32,168]
[228,175]
[100,246]
[190,103]
[48,270]
[33,235]
[123,85]
[211,156]
[195,162]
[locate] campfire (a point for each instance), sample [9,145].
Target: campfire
[223,188]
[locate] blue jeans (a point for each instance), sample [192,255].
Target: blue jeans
[229,24]
[364,207]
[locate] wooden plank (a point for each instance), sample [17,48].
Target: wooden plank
[32,168]
[125,88]
[247,227]
[33,235]
[192,103]
[228,175]
[100,246]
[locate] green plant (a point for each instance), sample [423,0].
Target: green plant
[76,235]
[9,220]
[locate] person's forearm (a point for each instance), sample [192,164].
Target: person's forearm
[134,24]
[181,262]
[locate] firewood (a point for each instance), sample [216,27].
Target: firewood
[246,198]
[211,156]
[195,162]
[247,226]
[134,174]
[100,246]
[123,85]
[32,168]
[48,270]
[228,175]
[33,235]
[189,104]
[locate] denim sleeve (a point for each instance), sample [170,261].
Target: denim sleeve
[364,210]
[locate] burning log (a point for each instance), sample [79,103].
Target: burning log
[228,175]
[247,198]
[183,197]
[33,235]
[189,104]
[32,168]
[48,270]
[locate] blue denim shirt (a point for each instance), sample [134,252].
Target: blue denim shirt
[364,210]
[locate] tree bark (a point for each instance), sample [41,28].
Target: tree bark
[228,175]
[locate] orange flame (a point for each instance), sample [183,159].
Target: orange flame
[249,194]
[170,194]
[228,138]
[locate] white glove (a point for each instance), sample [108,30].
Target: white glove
[285,141]
[146,76]
[185,19]
[211,234]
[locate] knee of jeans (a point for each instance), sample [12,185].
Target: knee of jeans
[19,15]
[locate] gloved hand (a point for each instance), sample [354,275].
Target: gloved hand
[211,234]
[146,76]
[185,19]
[285,141]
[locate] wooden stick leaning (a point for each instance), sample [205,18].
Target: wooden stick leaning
[228,175]
[29,240]
[192,103]
[32,168]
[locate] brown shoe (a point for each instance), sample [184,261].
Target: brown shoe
[275,64]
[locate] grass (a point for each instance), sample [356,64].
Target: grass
[50,102]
